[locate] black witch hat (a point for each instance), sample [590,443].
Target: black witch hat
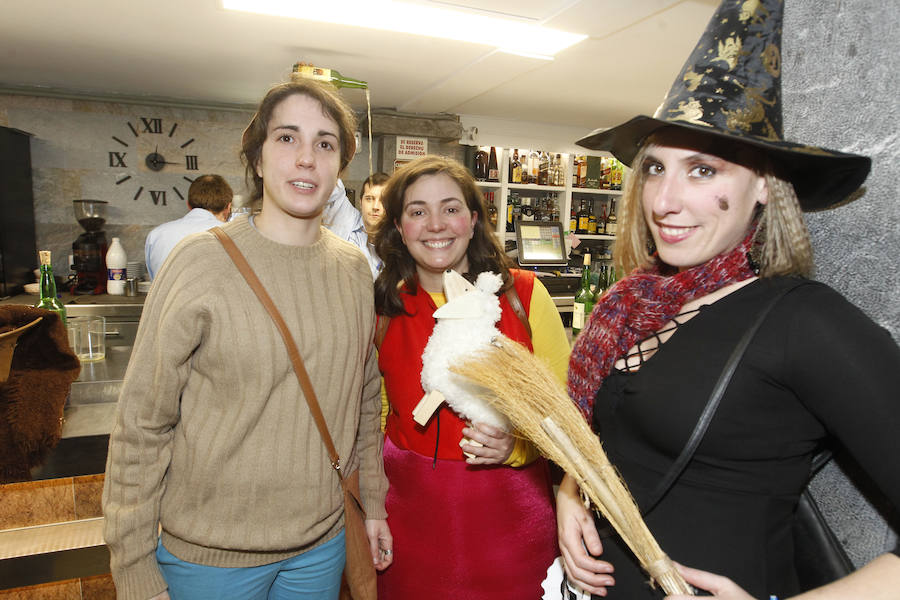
[730,87]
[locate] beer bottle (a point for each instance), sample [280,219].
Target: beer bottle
[307,71]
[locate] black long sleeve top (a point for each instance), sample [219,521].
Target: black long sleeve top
[818,368]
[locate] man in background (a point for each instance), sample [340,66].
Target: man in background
[209,201]
[345,221]
[372,212]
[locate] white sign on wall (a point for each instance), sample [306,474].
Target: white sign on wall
[409,148]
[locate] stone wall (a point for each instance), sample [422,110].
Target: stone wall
[841,73]
[71,158]
[78,151]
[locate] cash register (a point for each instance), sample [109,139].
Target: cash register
[541,247]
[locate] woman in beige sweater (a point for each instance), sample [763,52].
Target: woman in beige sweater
[214,443]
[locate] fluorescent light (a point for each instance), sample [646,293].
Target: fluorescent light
[507,35]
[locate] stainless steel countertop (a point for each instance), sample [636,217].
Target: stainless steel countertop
[122,308]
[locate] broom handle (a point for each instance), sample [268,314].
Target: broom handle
[586,470]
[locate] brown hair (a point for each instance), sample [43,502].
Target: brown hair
[211,192]
[781,245]
[255,134]
[377,178]
[484,252]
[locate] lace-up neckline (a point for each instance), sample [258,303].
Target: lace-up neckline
[645,348]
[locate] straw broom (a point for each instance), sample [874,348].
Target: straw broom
[520,385]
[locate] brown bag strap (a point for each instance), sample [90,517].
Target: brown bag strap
[305,384]
[512,296]
[381,328]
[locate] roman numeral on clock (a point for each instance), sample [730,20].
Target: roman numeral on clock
[117,159]
[157,196]
[151,125]
[191,162]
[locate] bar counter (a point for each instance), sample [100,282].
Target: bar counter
[90,409]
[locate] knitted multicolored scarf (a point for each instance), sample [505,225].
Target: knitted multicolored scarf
[637,306]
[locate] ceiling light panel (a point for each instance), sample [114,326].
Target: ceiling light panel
[509,35]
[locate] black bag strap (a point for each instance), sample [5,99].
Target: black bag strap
[687,453]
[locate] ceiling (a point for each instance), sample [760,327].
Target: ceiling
[194,51]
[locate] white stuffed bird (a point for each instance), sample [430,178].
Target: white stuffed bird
[465,324]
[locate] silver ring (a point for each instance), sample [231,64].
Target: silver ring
[387,552]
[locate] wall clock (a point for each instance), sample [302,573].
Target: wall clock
[152,159]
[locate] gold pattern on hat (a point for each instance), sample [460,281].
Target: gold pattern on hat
[743,119]
[692,80]
[690,112]
[771,60]
[815,150]
[729,50]
[749,8]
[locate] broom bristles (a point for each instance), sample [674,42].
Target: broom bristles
[522,387]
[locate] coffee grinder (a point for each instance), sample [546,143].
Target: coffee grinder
[89,250]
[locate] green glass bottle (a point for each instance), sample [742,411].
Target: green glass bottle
[584,299]
[49,299]
[303,70]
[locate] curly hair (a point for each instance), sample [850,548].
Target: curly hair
[781,245]
[484,252]
[255,134]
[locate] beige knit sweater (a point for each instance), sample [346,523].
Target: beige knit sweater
[213,437]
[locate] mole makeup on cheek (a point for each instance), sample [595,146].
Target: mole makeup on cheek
[723,203]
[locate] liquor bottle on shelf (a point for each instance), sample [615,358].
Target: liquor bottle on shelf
[573,221]
[579,174]
[584,299]
[480,169]
[534,166]
[527,209]
[554,210]
[515,168]
[493,173]
[601,223]
[307,71]
[492,210]
[560,179]
[617,175]
[517,208]
[537,204]
[544,169]
[604,173]
[510,222]
[592,224]
[49,300]
[584,215]
[611,220]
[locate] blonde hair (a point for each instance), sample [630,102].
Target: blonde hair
[781,245]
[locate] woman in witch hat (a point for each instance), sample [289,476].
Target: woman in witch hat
[712,234]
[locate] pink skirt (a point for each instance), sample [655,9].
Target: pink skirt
[466,532]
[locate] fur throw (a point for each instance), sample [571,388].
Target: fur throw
[32,399]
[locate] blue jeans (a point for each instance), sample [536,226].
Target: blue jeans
[312,575]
